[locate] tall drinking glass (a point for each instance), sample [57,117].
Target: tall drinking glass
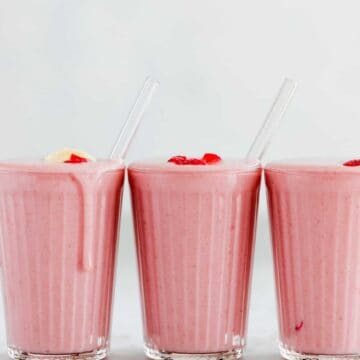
[58,236]
[195,228]
[315,219]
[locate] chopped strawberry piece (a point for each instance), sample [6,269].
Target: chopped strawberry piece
[76,159]
[194,161]
[179,159]
[299,326]
[210,158]
[206,159]
[355,162]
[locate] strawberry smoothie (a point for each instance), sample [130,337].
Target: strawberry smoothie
[58,236]
[195,228]
[314,211]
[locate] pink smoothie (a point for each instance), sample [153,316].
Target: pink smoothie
[194,229]
[315,219]
[58,235]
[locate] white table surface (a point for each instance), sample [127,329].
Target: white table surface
[127,328]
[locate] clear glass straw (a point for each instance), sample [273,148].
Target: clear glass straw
[134,118]
[272,120]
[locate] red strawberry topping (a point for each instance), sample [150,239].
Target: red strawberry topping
[179,159]
[210,158]
[194,161]
[207,159]
[355,162]
[75,159]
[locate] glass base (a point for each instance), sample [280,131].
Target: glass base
[293,355]
[161,355]
[97,354]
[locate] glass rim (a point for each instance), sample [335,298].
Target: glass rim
[39,166]
[162,166]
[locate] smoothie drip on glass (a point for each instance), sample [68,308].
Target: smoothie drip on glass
[59,224]
[194,226]
[314,212]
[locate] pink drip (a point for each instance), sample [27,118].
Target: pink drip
[87,184]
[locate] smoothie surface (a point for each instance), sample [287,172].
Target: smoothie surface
[41,166]
[311,165]
[228,165]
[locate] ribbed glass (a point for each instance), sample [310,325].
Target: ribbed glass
[58,236]
[194,237]
[315,222]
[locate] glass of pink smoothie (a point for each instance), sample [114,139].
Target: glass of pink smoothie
[195,229]
[58,236]
[314,211]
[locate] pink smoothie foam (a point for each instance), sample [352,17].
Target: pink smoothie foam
[58,235]
[194,229]
[315,219]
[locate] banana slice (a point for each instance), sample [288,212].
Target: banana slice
[64,155]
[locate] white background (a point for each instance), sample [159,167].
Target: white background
[70,70]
